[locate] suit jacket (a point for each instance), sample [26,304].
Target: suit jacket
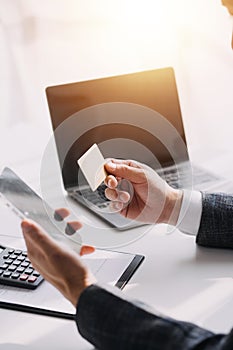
[216,227]
[108,320]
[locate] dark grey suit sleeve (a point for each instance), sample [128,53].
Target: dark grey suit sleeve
[216,226]
[111,322]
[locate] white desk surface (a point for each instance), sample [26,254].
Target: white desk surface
[177,277]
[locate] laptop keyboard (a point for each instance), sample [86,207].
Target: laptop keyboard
[172,178]
[184,177]
[97,197]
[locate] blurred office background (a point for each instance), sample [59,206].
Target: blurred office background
[50,42]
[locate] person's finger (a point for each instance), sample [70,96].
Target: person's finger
[116,206]
[31,230]
[111,194]
[111,181]
[123,196]
[125,186]
[86,249]
[72,227]
[26,230]
[61,213]
[129,162]
[116,195]
[34,235]
[125,171]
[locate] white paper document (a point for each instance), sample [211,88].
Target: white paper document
[107,266]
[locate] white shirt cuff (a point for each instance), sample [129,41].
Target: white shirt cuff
[190,212]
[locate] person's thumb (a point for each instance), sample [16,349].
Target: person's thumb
[125,171]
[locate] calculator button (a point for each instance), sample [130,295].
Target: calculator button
[21,258]
[29,271]
[16,262]
[14,256]
[15,275]
[12,268]
[17,252]
[24,254]
[4,267]
[23,277]
[8,261]
[6,256]
[26,260]
[24,264]
[7,274]
[20,269]
[10,251]
[35,273]
[32,279]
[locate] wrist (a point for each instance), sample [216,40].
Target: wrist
[172,206]
[75,293]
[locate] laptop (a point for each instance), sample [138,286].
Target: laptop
[131,116]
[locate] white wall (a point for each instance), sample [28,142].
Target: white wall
[54,41]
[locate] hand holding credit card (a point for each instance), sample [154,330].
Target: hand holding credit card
[92,165]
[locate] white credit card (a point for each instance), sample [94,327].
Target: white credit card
[92,165]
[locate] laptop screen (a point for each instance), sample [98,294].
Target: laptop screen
[155,90]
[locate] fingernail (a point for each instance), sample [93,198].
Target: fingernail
[111,183]
[122,197]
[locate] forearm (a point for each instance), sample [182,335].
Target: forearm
[216,227]
[109,321]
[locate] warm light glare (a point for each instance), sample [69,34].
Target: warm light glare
[148,28]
